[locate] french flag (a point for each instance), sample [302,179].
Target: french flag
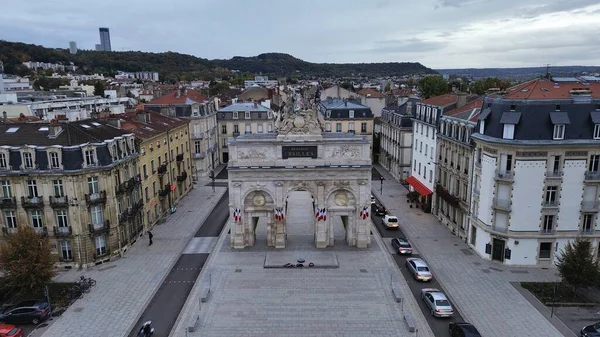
[364,213]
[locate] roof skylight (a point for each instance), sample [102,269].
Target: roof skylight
[43,128]
[96,124]
[12,130]
[85,126]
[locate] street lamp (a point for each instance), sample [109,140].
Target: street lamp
[381,179]
[212,177]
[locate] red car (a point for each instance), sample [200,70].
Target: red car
[9,330]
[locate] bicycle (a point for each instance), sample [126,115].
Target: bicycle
[86,283]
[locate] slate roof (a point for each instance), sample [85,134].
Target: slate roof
[74,133]
[247,106]
[188,97]
[336,104]
[156,125]
[469,112]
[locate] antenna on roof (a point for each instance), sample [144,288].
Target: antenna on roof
[547,71]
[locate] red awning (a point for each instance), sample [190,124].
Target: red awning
[418,186]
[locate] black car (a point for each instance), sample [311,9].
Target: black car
[592,330]
[401,246]
[25,312]
[379,210]
[463,330]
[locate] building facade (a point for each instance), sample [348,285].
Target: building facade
[537,171]
[241,118]
[73,47]
[73,185]
[452,193]
[165,161]
[105,39]
[347,116]
[203,134]
[395,147]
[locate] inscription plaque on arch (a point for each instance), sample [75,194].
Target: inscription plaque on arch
[299,152]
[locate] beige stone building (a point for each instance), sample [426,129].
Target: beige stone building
[71,182]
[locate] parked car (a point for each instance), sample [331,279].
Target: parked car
[390,221]
[9,330]
[437,302]
[463,330]
[30,311]
[592,330]
[372,199]
[379,210]
[401,246]
[419,269]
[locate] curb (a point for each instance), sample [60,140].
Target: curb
[162,280]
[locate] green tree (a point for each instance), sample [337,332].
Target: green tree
[217,88]
[577,266]
[481,86]
[99,88]
[26,259]
[388,87]
[433,86]
[347,85]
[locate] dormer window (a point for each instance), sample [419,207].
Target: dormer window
[235,115]
[559,119]
[28,160]
[597,131]
[559,132]
[54,160]
[509,119]
[3,161]
[247,115]
[90,157]
[351,114]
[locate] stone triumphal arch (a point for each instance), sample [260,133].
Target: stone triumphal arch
[335,168]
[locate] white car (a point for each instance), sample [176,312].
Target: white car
[438,303]
[390,221]
[372,199]
[419,269]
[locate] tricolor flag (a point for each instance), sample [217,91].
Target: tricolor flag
[237,215]
[279,214]
[321,214]
[364,213]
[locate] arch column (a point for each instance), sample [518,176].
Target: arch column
[237,233]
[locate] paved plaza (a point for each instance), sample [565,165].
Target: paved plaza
[246,299]
[480,288]
[125,286]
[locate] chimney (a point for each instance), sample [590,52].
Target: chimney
[54,129]
[115,121]
[4,117]
[461,100]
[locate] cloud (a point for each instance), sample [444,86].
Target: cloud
[412,45]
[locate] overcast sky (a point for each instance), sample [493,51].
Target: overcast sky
[437,33]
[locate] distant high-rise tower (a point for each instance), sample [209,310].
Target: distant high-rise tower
[73,47]
[1,78]
[98,47]
[105,39]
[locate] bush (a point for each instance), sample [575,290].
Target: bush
[544,291]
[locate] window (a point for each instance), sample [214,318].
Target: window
[100,245]
[58,188]
[338,127]
[558,107]
[197,146]
[236,129]
[93,185]
[248,128]
[36,219]
[247,115]
[224,129]
[421,147]
[65,250]
[481,126]
[260,128]
[32,188]
[559,132]
[351,114]
[588,223]
[416,144]
[351,127]
[415,165]
[146,193]
[363,127]
[6,190]
[3,161]
[96,215]
[594,163]
[430,176]
[54,163]
[89,157]
[235,115]
[270,127]
[548,225]
[10,219]
[596,136]
[27,160]
[149,216]
[419,168]
[425,174]
[426,148]
[513,107]
[154,188]
[61,218]
[426,131]
[509,131]
[551,195]
[545,250]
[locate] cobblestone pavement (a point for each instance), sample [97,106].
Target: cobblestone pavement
[480,288]
[125,286]
[249,300]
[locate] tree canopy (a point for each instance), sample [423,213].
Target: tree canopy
[480,87]
[26,260]
[99,88]
[433,86]
[577,265]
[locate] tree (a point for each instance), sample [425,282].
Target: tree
[25,258]
[388,87]
[577,266]
[433,86]
[99,88]
[480,87]
[347,85]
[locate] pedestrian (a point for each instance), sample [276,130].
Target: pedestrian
[150,236]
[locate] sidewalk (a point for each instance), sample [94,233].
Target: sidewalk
[480,288]
[125,286]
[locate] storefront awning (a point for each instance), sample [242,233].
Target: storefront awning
[418,186]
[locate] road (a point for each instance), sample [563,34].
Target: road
[439,326]
[166,304]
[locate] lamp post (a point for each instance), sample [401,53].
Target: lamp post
[381,179]
[212,177]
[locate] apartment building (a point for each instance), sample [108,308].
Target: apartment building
[346,116]
[165,160]
[203,134]
[537,171]
[395,147]
[244,118]
[452,193]
[71,182]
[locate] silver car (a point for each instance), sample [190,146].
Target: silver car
[437,302]
[418,268]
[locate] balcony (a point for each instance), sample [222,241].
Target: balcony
[135,208]
[133,182]
[97,229]
[43,231]
[197,135]
[502,204]
[10,202]
[554,175]
[62,231]
[121,188]
[592,176]
[235,134]
[179,157]
[504,175]
[550,203]
[32,202]
[446,195]
[9,230]
[59,201]
[96,198]
[589,206]
[162,169]
[164,191]
[199,155]
[123,217]
[182,177]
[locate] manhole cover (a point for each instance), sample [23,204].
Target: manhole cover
[238,270]
[363,270]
